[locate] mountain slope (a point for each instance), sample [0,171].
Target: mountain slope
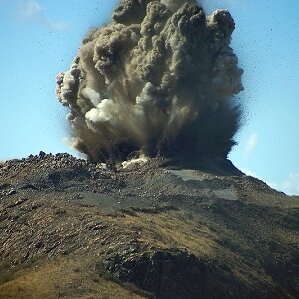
[72,229]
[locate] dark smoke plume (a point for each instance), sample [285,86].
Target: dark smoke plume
[159,79]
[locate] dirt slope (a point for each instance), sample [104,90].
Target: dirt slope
[71,229]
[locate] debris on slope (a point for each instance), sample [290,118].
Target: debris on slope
[190,232]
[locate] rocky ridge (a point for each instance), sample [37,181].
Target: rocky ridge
[73,229]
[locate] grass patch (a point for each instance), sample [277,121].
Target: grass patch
[64,278]
[174,229]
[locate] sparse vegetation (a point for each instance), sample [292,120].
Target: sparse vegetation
[93,231]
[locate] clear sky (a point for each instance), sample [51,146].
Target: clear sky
[40,38]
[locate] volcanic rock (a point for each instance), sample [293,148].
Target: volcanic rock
[73,229]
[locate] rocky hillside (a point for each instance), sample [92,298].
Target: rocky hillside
[72,229]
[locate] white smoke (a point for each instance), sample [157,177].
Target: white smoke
[92,95]
[136,161]
[106,111]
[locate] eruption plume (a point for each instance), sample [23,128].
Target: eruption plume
[158,80]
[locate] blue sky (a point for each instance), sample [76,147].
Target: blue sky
[39,38]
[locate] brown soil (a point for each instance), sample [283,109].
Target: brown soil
[72,229]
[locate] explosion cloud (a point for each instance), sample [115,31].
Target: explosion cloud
[158,80]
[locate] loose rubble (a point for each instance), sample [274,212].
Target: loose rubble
[172,232]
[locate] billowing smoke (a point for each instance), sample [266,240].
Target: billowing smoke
[158,80]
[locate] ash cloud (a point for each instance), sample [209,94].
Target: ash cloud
[158,80]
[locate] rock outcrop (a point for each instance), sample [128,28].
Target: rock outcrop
[73,229]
